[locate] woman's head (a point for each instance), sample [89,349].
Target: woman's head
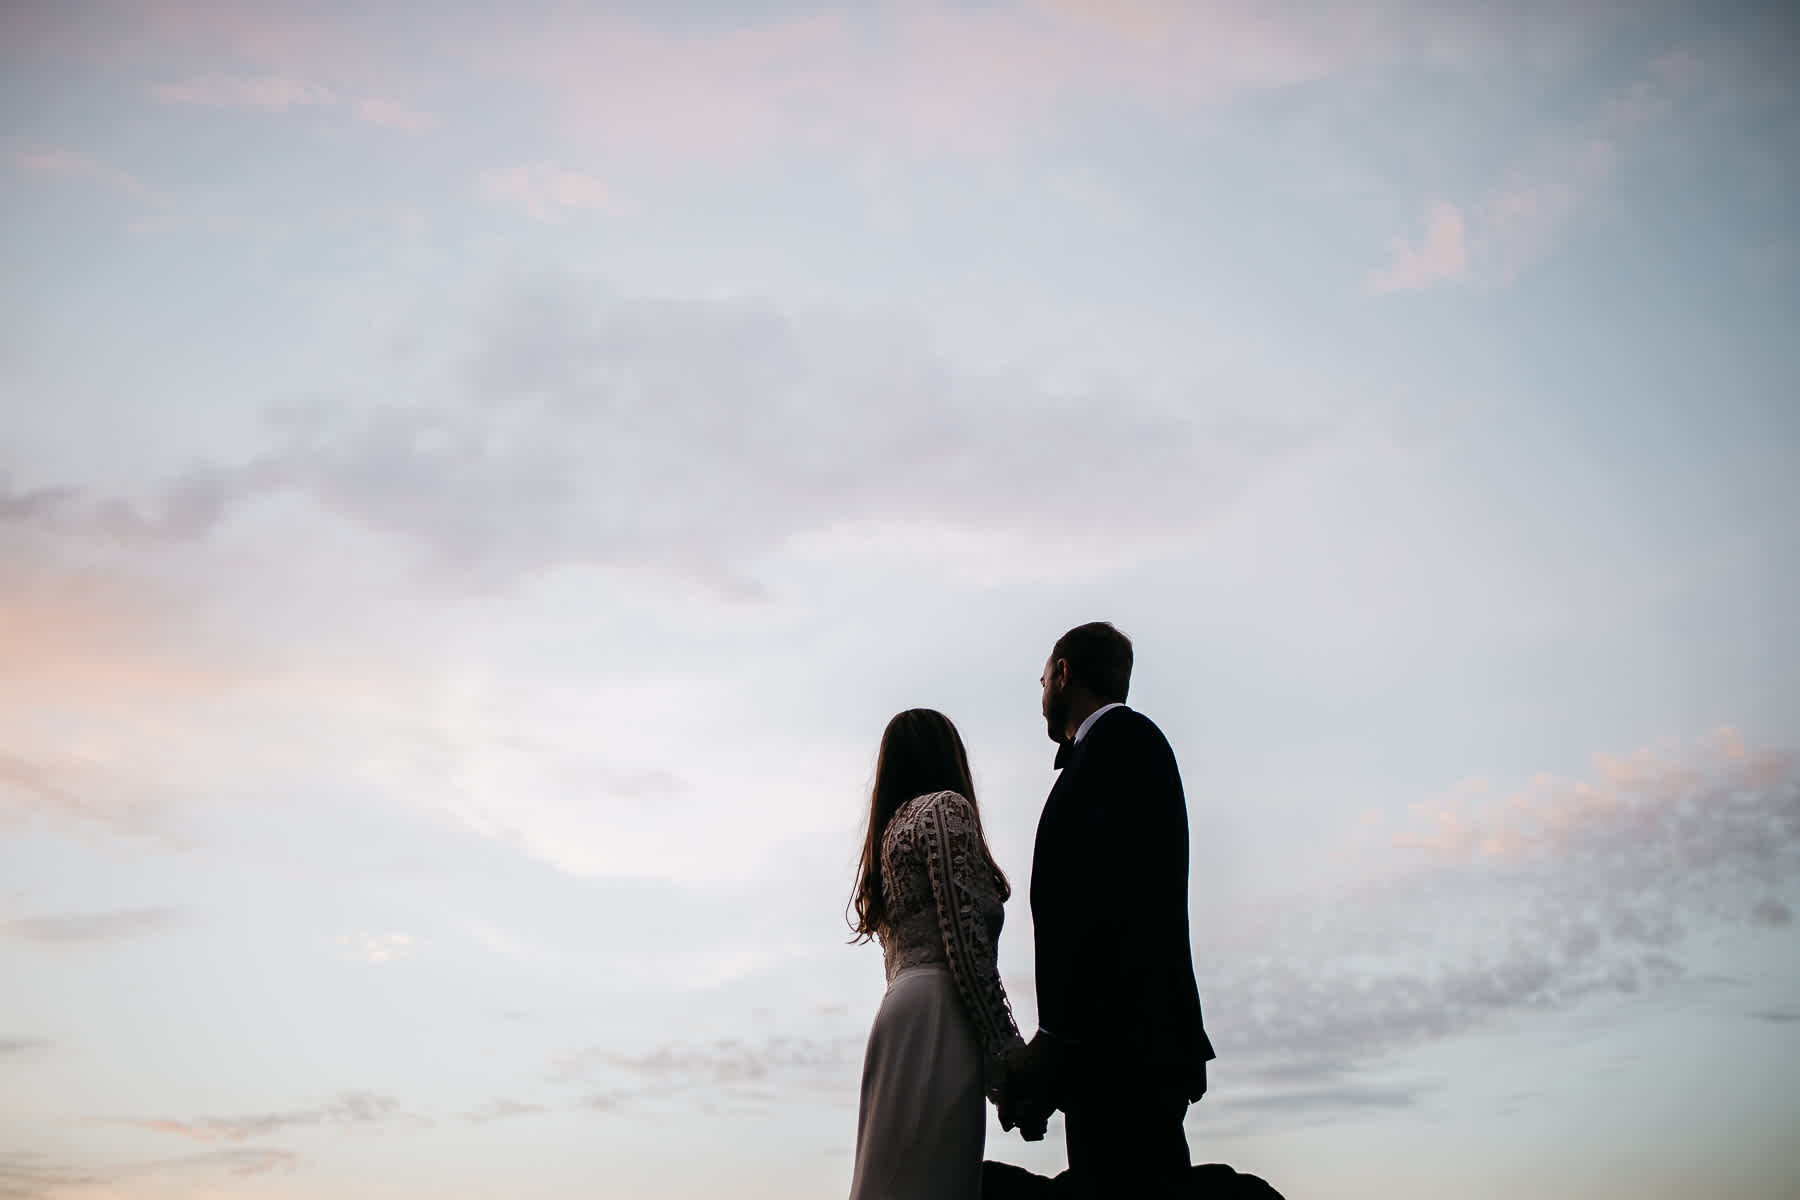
[921,752]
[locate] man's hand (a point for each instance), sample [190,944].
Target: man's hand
[1028,1098]
[1030,1115]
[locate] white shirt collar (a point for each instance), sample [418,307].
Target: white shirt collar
[1095,716]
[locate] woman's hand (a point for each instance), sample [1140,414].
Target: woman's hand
[1024,1102]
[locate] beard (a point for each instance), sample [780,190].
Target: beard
[1056,716]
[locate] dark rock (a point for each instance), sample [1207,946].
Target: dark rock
[1211,1181]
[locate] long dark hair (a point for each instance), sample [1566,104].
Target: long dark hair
[921,752]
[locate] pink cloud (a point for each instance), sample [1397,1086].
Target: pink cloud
[550,193]
[1192,47]
[668,92]
[1676,67]
[922,73]
[70,164]
[252,29]
[387,113]
[1644,795]
[271,91]
[1442,256]
[1523,216]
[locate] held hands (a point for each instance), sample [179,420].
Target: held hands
[1026,1092]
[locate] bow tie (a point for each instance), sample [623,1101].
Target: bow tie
[1064,752]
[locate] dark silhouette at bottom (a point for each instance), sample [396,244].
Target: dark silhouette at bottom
[1212,1181]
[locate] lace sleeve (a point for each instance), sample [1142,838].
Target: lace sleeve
[960,881]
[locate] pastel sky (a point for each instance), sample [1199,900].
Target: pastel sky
[476,480]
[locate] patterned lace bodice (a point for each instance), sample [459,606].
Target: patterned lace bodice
[943,906]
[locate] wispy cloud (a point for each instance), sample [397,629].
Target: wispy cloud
[503,1108]
[1772,913]
[71,793]
[21,1045]
[743,1074]
[1521,218]
[392,115]
[696,434]
[71,164]
[39,785]
[1598,883]
[1499,235]
[732,1060]
[238,1160]
[349,1110]
[376,947]
[267,33]
[922,75]
[549,193]
[81,928]
[37,1177]
[276,92]
[1441,256]
[279,93]
[1777,1016]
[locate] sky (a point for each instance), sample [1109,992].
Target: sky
[475,482]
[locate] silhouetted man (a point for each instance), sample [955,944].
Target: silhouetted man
[1120,1046]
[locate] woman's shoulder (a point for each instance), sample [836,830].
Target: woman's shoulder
[950,805]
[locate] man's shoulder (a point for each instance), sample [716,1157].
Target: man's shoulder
[1127,740]
[1127,726]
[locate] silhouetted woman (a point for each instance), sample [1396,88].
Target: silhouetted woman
[931,893]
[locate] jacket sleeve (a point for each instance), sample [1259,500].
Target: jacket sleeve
[957,865]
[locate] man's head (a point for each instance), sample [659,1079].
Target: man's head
[1089,666]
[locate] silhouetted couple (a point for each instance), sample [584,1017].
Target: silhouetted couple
[1120,1048]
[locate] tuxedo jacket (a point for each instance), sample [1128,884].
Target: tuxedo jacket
[1109,907]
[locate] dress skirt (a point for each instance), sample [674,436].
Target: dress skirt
[922,1124]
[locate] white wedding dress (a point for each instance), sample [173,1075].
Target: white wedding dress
[940,1040]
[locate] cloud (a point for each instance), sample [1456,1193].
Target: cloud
[734,1061]
[1715,807]
[549,193]
[33,1177]
[1523,217]
[72,794]
[277,92]
[21,1045]
[981,79]
[1494,904]
[1777,1016]
[922,75]
[1519,218]
[263,32]
[392,115]
[1442,256]
[376,947]
[1291,1106]
[235,1160]
[70,164]
[40,786]
[114,644]
[81,928]
[349,1110]
[502,1108]
[1772,913]
[696,436]
[751,1074]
